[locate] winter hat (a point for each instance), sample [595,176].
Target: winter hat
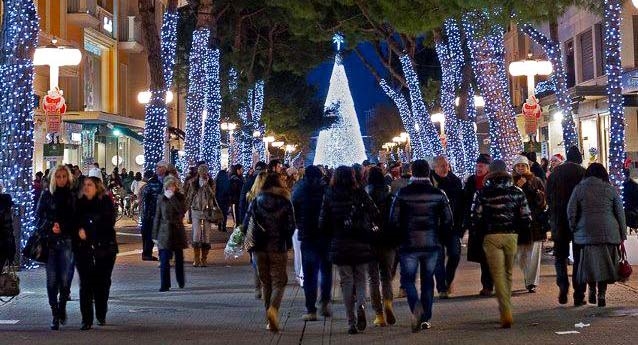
[520,160]
[558,157]
[498,166]
[484,158]
[574,156]
[162,163]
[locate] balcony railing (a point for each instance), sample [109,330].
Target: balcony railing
[130,35]
[89,13]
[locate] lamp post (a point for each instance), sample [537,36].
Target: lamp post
[530,68]
[55,56]
[117,133]
[229,127]
[267,140]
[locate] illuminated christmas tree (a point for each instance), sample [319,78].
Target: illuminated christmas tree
[341,143]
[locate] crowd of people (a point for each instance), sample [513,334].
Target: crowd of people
[367,221]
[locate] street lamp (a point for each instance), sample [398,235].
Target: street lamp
[56,56]
[530,68]
[230,127]
[145,96]
[267,140]
[117,133]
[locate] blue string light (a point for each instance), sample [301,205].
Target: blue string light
[488,61]
[429,136]
[20,33]
[470,140]
[406,118]
[559,78]
[211,137]
[195,99]
[156,115]
[613,69]
[450,58]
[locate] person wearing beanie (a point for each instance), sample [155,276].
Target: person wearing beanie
[475,241]
[530,243]
[499,214]
[560,185]
[201,201]
[152,190]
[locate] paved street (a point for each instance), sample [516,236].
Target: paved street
[217,307]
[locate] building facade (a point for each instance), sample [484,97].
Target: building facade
[582,44]
[104,121]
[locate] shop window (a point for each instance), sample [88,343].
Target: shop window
[92,76]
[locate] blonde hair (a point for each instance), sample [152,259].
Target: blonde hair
[257,186]
[52,185]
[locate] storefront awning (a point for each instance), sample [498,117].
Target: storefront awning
[102,118]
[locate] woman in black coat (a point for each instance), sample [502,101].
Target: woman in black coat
[271,220]
[342,218]
[55,219]
[95,250]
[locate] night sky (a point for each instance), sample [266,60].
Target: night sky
[366,92]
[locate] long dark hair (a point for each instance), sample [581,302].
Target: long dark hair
[597,170]
[273,180]
[343,179]
[375,176]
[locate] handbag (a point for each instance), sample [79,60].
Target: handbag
[252,233]
[9,283]
[37,247]
[624,267]
[214,214]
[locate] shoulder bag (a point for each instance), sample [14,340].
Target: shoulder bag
[624,267]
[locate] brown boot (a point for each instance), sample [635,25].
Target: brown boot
[204,261]
[196,256]
[389,312]
[506,320]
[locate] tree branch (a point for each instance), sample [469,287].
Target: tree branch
[395,75]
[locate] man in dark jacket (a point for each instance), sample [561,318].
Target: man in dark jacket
[630,197]
[445,180]
[475,251]
[306,199]
[422,214]
[560,185]
[236,184]
[153,188]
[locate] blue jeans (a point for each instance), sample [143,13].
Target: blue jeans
[410,262]
[444,274]
[317,270]
[165,256]
[59,265]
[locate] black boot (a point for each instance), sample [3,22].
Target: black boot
[55,323]
[62,311]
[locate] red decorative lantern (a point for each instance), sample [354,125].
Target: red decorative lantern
[532,112]
[53,102]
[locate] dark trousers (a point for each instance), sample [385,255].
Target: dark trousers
[147,237]
[165,256]
[317,270]
[58,267]
[423,262]
[562,277]
[444,274]
[95,284]
[380,277]
[224,207]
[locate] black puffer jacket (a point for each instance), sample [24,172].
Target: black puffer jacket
[275,220]
[57,208]
[150,192]
[97,218]
[500,207]
[388,237]
[422,214]
[349,245]
[306,198]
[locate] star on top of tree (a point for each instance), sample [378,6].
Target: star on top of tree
[338,39]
